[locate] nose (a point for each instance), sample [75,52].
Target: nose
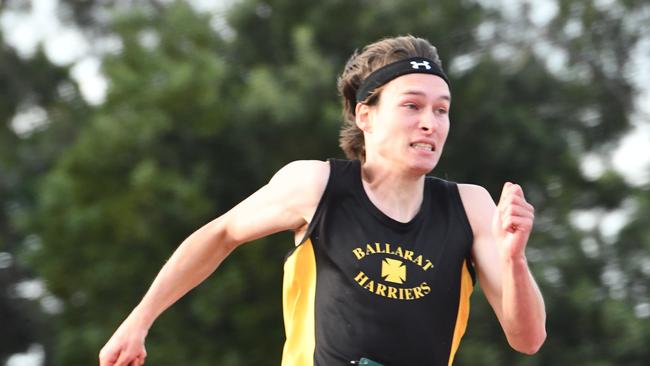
[428,123]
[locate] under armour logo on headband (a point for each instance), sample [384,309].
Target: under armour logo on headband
[416,65]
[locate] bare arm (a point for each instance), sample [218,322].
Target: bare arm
[287,202]
[500,237]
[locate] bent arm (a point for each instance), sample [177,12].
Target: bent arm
[500,237]
[287,202]
[283,204]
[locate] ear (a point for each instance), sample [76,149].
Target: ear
[362,113]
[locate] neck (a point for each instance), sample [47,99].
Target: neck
[396,194]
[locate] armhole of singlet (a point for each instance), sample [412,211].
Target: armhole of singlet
[322,203]
[459,208]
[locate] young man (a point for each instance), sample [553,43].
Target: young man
[385,257]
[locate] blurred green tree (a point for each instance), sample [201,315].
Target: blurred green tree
[39,105]
[536,124]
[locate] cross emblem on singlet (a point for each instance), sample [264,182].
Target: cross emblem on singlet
[393,270]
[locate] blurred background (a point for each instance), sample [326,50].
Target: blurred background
[128,124]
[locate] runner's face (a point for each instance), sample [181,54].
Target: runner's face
[408,127]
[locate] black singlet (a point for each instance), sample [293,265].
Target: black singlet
[364,285]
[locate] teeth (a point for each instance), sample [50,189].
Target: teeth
[422,146]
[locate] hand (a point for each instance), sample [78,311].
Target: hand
[125,348]
[513,221]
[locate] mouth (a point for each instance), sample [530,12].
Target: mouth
[423,146]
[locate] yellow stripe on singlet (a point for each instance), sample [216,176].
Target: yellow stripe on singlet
[466,287]
[298,293]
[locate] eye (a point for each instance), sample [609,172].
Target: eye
[442,111]
[412,106]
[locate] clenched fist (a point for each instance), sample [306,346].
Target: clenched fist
[513,221]
[125,348]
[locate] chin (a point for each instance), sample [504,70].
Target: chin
[424,168]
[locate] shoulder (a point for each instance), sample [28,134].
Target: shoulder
[473,192]
[286,202]
[301,173]
[300,185]
[479,206]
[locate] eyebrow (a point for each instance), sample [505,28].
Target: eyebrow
[420,93]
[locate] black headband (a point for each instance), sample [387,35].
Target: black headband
[389,72]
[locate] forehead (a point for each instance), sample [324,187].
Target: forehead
[427,85]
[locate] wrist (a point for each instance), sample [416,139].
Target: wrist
[140,318]
[516,260]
